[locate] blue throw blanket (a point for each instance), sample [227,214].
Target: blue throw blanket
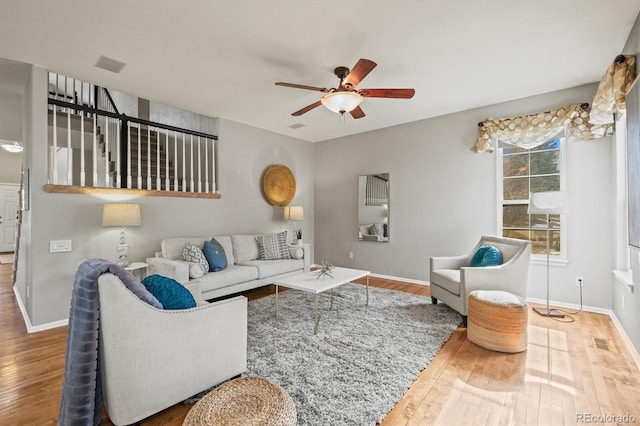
[81,402]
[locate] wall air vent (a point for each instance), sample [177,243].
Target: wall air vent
[297,126]
[110,64]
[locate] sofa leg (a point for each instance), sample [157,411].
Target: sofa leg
[434,300]
[464,321]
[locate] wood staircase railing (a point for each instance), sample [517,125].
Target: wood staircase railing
[102,149]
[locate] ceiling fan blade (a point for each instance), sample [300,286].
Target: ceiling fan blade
[357,112]
[307,108]
[359,71]
[302,86]
[388,93]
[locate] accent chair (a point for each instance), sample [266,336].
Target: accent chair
[151,358]
[452,278]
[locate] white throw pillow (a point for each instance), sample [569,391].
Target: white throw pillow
[296,252]
[196,270]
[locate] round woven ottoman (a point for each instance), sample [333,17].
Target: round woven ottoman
[497,320]
[246,401]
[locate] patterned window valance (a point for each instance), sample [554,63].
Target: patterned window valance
[612,91]
[529,131]
[574,121]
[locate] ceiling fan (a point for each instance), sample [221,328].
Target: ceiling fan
[345,98]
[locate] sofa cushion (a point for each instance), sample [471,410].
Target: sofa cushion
[191,253]
[449,279]
[269,268]
[486,256]
[231,275]
[273,246]
[169,292]
[245,247]
[215,254]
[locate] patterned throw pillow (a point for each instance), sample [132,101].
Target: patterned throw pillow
[273,246]
[192,253]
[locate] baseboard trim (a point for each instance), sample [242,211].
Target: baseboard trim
[27,322]
[407,280]
[625,339]
[573,306]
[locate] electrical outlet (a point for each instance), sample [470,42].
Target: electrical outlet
[351,255]
[59,246]
[579,282]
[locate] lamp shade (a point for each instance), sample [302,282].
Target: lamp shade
[341,101]
[121,215]
[294,213]
[551,202]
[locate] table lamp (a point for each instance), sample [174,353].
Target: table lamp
[122,215]
[293,213]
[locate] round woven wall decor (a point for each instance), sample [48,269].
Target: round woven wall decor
[278,185]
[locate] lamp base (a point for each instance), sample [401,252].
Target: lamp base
[546,312]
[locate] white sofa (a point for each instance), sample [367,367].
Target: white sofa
[245,270]
[367,232]
[151,359]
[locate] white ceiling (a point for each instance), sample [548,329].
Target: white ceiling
[221,58]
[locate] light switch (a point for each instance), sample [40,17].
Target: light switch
[59,246]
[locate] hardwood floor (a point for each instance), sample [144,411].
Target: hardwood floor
[565,373]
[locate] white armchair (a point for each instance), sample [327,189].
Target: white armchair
[452,279]
[151,358]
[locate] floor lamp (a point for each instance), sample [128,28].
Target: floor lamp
[552,202]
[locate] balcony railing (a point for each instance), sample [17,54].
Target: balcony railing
[97,147]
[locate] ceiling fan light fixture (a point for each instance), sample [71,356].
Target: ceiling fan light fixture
[341,102]
[11,146]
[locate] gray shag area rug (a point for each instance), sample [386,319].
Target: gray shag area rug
[361,362]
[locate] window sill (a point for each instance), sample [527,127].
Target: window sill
[624,277]
[542,260]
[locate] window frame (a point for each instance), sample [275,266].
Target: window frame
[561,259]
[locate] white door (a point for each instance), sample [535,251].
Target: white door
[8,216]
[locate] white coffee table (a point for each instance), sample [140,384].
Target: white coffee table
[309,282]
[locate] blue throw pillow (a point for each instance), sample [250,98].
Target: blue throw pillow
[215,255]
[169,292]
[486,256]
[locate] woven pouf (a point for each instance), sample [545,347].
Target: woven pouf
[246,401]
[497,320]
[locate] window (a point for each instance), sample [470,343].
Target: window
[520,172]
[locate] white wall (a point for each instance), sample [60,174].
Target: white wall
[10,165]
[244,153]
[443,197]
[626,305]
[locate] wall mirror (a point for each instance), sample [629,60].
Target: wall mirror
[373,208]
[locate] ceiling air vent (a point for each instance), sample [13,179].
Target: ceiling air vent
[110,64]
[297,126]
